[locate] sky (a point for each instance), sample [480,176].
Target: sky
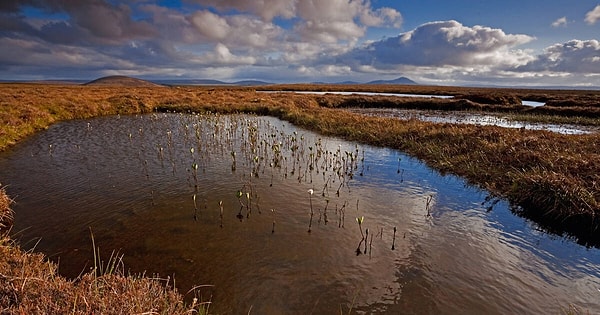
[460,42]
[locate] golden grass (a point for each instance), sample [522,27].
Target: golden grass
[6,214]
[31,285]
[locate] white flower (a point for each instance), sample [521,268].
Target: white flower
[310,191]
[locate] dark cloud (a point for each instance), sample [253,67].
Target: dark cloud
[94,21]
[14,23]
[13,6]
[106,21]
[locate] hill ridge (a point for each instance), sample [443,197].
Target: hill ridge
[122,80]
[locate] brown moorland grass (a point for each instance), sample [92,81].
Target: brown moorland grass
[578,98]
[553,178]
[6,214]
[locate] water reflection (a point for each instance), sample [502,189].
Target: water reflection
[438,116]
[363,93]
[132,181]
[523,102]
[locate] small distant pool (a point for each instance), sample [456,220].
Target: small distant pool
[525,103]
[533,103]
[438,116]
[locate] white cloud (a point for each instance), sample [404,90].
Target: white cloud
[210,25]
[207,27]
[311,10]
[267,9]
[334,20]
[593,16]
[445,43]
[251,32]
[382,16]
[574,56]
[317,21]
[560,22]
[221,55]
[318,40]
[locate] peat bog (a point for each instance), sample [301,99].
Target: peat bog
[548,177]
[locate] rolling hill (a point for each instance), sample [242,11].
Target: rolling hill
[121,80]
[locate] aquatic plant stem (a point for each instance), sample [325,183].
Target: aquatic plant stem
[221,212]
[394,239]
[310,193]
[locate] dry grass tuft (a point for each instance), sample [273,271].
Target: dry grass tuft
[6,214]
[31,285]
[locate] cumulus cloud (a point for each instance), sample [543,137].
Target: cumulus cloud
[445,43]
[318,21]
[210,25]
[593,16]
[171,24]
[382,16]
[267,9]
[237,30]
[269,39]
[222,55]
[233,31]
[329,21]
[560,22]
[575,56]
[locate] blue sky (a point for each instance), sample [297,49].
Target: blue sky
[463,42]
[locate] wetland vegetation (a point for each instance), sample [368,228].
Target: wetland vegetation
[549,178]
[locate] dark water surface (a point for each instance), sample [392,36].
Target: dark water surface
[132,181]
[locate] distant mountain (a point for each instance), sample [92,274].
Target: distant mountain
[191,82]
[211,82]
[349,82]
[121,80]
[400,80]
[251,83]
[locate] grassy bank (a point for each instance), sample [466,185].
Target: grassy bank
[553,179]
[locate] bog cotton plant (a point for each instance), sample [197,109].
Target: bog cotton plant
[310,193]
[360,221]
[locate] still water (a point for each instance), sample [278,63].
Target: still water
[439,116]
[151,187]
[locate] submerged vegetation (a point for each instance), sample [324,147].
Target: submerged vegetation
[550,178]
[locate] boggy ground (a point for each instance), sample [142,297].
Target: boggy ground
[550,178]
